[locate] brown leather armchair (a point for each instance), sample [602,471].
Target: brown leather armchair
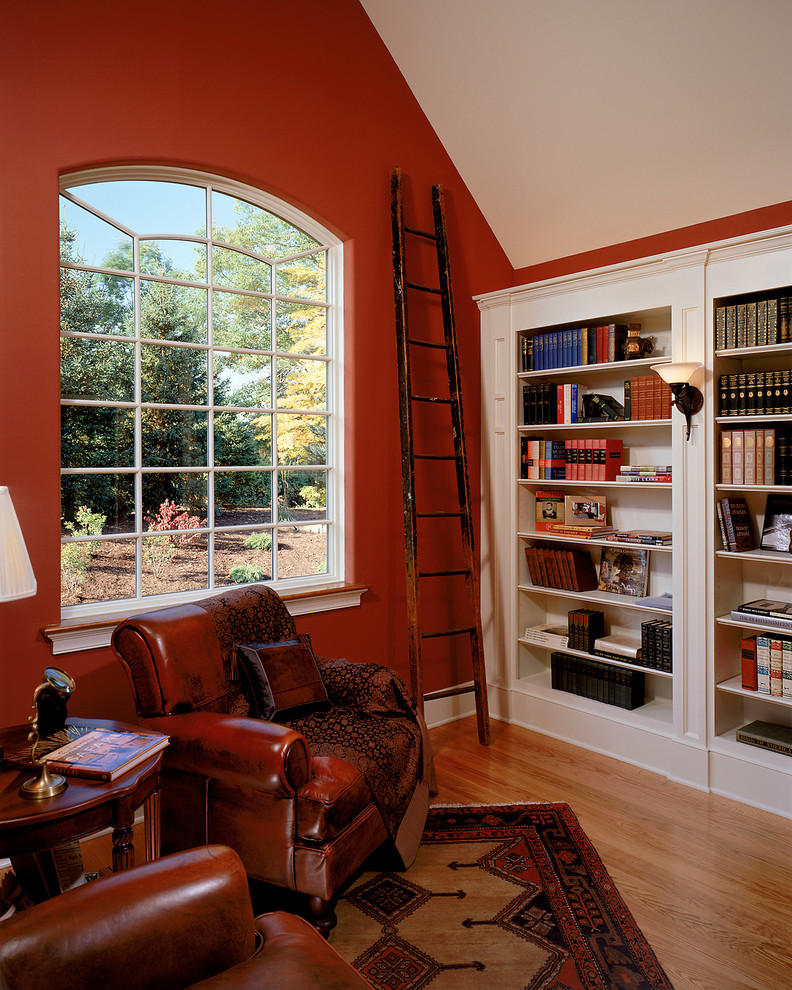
[304,804]
[177,922]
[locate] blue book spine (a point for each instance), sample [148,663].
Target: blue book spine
[539,343]
[548,454]
[577,342]
[573,407]
[568,349]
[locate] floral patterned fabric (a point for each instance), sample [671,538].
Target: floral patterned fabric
[372,723]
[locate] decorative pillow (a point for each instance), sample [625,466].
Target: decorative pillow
[282,679]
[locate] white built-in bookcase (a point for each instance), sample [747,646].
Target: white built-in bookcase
[686,729]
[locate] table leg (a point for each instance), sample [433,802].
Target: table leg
[123,850]
[151,818]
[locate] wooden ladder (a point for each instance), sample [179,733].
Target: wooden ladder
[407,400]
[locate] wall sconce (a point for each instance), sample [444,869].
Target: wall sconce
[687,398]
[16,575]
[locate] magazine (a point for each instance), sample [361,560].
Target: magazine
[624,571]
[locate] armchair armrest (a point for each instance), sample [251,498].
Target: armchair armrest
[237,750]
[169,923]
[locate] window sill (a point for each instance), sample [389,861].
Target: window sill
[89,633]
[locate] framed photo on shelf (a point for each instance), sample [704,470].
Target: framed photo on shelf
[777,528]
[624,571]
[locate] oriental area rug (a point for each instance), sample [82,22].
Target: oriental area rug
[504,897]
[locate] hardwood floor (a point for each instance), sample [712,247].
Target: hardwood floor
[708,880]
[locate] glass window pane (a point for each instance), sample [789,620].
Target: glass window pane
[174,500]
[243,498]
[100,571]
[302,495]
[242,380]
[173,312]
[302,384]
[175,563]
[241,321]
[237,222]
[174,375]
[242,439]
[97,369]
[97,436]
[149,206]
[174,259]
[240,271]
[87,240]
[302,551]
[243,557]
[94,303]
[301,328]
[304,278]
[173,438]
[97,504]
[302,439]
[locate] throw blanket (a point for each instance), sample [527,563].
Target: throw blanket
[373,726]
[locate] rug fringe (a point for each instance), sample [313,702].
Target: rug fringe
[494,804]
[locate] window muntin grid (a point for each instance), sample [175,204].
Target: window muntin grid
[237,368]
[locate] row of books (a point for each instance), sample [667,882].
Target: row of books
[755,393]
[748,457]
[656,644]
[573,347]
[646,397]
[585,626]
[582,459]
[565,570]
[597,681]
[753,324]
[737,529]
[767,665]
[736,526]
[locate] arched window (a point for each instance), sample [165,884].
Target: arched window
[200,390]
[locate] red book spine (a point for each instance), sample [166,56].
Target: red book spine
[748,649]
[612,456]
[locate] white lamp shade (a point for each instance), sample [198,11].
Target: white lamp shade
[679,371]
[16,575]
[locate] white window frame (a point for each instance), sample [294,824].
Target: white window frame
[88,614]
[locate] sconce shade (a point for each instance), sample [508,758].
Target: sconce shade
[680,371]
[16,575]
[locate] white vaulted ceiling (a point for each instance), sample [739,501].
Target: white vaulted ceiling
[582,123]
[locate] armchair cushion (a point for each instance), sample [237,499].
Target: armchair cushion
[283,680]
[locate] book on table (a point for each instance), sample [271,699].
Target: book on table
[91,752]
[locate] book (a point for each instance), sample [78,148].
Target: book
[664,601]
[767,607]
[618,648]
[607,459]
[757,618]
[748,665]
[763,664]
[653,537]
[624,571]
[644,478]
[738,523]
[549,508]
[725,457]
[768,735]
[580,532]
[548,635]
[777,525]
[104,754]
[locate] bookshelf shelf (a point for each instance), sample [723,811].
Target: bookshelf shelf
[595,369]
[595,598]
[584,541]
[547,483]
[592,656]
[734,686]
[766,350]
[764,556]
[612,424]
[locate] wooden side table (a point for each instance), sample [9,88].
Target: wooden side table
[85,807]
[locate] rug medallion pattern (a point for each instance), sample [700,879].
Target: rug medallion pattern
[508,897]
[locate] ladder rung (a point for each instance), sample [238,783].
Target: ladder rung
[460,570]
[427,343]
[448,632]
[435,515]
[430,398]
[420,233]
[424,288]
[435,457]
[450,692]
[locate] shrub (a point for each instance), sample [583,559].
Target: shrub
[158,551]
[245,574]
[76,557]
[259,541]
[313,497]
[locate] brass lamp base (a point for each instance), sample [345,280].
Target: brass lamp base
[46,785]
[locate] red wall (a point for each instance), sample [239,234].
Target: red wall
[298,97]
